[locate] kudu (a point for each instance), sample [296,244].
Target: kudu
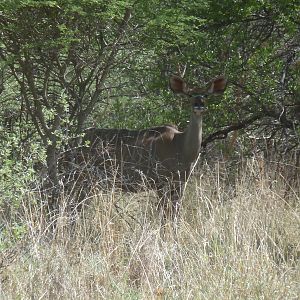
[158,158]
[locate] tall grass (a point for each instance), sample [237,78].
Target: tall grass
[238,237]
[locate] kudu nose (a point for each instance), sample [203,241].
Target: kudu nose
[198,103]
[199,106]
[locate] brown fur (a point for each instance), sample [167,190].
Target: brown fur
[159,158]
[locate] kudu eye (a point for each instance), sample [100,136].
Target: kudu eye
[199,97]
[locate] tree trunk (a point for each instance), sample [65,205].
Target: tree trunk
[53,182]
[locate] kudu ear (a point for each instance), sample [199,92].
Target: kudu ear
[217,86]
[178,85]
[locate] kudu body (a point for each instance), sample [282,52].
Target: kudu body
[158,158]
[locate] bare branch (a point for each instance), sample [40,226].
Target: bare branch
[223,133]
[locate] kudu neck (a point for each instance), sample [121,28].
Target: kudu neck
[193,138]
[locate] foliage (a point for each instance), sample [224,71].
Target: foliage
[67,65]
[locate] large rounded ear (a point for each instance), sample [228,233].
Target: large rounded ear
[178,85]
[217,86]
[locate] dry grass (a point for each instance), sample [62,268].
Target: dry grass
[238,238]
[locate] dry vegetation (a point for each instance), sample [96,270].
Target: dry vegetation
[238,238]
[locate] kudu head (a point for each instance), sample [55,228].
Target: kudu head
[198,95]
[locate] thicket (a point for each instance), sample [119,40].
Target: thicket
[66,65]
